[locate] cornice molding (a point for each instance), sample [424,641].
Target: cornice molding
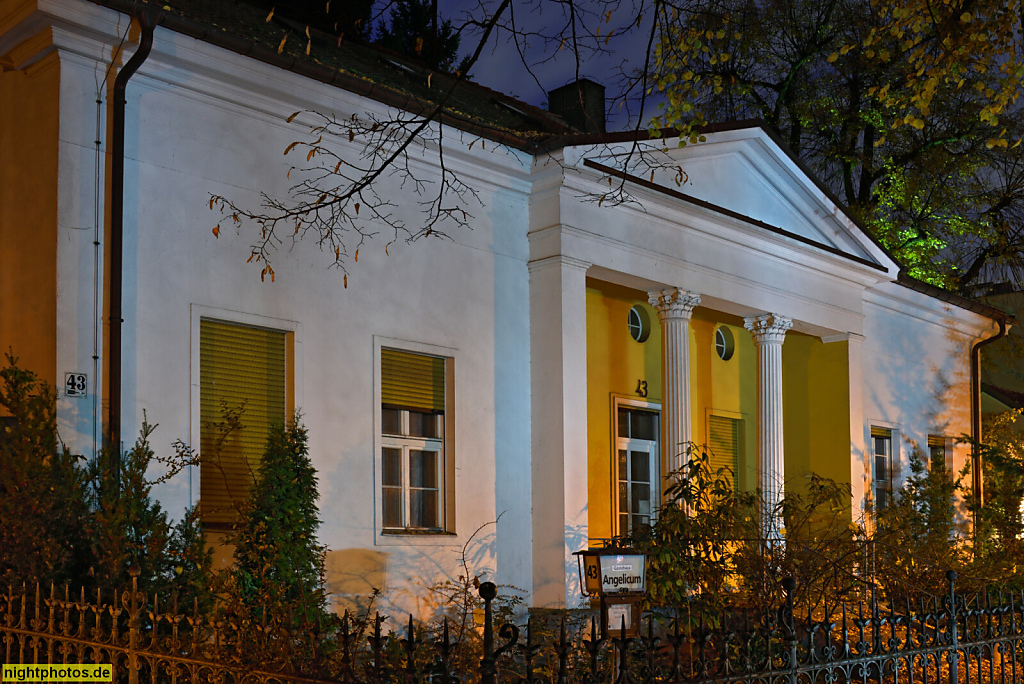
[30,51]
[558,260]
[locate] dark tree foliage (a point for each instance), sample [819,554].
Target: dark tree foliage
[410,30]
[66,522]
[44,517]
[999,525]
[917,536]
[928,162]
[129,528]
[190,565]
[278,562]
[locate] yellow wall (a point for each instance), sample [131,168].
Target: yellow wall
[615,363]
[726,388]
[28,214]
[816,406]
[816,409]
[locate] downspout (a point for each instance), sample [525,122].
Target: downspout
[977,483]
[147,24]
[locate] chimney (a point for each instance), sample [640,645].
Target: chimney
[581,104]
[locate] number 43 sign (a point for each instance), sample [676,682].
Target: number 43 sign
[76,384]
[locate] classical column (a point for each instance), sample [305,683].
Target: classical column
[769,331]
[674,308]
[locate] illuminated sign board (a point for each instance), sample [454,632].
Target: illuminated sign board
[623,572]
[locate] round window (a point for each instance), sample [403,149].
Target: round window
[639,324]
[725,345]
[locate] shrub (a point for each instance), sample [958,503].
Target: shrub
[191,565]
[690,547]
[44,515]
[712,547]
[129,528]
[997,540]
[68,522]
[917,538]
[278,561]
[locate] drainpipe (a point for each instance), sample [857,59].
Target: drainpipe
[147,24]
[976,480]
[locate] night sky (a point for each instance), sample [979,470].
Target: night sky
[502,68]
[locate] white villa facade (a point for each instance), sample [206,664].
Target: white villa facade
[485,393]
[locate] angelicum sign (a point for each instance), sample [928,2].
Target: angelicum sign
[622,573]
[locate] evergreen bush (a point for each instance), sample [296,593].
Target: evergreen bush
[66,521]
[279,564]
[918,538]
[45,524]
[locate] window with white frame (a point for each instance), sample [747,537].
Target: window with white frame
[413,467]
[881,470]
[637,465]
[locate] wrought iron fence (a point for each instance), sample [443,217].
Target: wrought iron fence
[143,643]
[931,640]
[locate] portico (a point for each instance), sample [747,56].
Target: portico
[703,275]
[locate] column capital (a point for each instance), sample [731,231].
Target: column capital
[768,328]
[673,302]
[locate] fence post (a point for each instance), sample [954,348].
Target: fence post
[410,654]
[134,606]
[789,585]
[488,671]
[954,655]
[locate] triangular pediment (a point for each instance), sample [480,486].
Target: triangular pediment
[745,173]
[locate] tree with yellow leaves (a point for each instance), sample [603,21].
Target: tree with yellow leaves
[909,112]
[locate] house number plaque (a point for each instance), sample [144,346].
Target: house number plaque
[76,384]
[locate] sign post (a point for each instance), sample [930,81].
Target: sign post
[619,578]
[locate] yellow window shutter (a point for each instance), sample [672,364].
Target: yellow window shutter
[238,365]
[724,443]
[411,381]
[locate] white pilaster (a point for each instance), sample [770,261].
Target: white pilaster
[675,306]
[769,331]
[860,457]
[558,379]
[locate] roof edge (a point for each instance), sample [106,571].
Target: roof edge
[725,211]
[952,298]
[724,127]
[247,47]
[1008,397]
[639,134]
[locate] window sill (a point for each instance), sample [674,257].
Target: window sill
[415,537]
